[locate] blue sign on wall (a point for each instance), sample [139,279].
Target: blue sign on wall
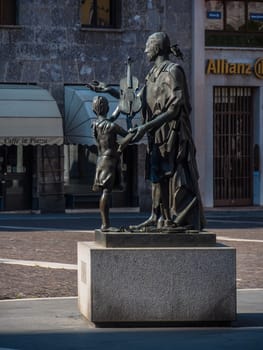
[214,14]
[256,16]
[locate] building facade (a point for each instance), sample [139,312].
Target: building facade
[62,46]
[229,90]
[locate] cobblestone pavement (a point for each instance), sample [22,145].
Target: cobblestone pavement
[249,256]
[17,281]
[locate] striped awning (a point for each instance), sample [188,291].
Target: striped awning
[29,115]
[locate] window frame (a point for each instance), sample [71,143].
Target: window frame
[114,16]
[226,37]
[8,12]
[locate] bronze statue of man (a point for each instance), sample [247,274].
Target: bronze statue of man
[171,151]
[171,161]
[106,177]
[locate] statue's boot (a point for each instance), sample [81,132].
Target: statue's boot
[151,221]
[167,216]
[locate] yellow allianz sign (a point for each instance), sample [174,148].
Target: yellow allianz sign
[219,66]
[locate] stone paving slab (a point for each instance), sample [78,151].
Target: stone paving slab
[56,324]
[53,246]
[45,314]
[28,282]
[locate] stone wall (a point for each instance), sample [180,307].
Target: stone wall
[49,47]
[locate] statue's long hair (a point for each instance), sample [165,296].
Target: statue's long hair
[175,50]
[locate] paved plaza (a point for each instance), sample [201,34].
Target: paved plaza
[38,253]
[56,324]
[38,286]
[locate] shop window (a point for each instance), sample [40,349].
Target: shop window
[81,165]
[234,23]
[7,12]
[100,13]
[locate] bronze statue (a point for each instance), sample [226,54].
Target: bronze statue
[171,164]
[106,177]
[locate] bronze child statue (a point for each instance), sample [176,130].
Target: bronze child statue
[107,171]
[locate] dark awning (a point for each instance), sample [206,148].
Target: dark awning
[79,115]
[29,115]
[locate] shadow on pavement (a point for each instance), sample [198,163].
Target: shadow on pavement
[249,320]
[90,221]
[205,339]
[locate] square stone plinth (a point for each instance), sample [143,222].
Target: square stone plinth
[178,284]
[156,240]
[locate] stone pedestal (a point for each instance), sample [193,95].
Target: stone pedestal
[176,283]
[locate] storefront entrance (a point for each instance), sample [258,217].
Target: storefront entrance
[233,146]
[16,177]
